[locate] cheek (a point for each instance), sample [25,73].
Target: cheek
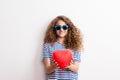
[66,32]
[57,32]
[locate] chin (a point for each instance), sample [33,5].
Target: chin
[62,36]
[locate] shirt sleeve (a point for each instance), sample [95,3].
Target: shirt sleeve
[77,56]
[45,51]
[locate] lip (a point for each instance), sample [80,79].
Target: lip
[62,32]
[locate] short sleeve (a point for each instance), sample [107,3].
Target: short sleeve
[77,56]
[45,51]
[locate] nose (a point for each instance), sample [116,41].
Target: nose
[61,29]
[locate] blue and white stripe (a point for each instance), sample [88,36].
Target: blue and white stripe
[60,74]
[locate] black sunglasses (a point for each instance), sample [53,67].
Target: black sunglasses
[64,27]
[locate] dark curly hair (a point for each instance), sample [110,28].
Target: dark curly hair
[73,38]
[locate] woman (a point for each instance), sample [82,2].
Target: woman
[62,34]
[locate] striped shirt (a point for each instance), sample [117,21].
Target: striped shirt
[59,74]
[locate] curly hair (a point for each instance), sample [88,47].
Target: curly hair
[73,39]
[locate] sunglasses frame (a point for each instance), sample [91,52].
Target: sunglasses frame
[61,27]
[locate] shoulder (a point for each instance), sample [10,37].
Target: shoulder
[46,44]
[49,44]
[76,52]
[77,56]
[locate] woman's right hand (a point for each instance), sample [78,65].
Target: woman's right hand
[54,63]
[50,67]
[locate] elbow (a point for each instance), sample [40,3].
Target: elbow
[48,72]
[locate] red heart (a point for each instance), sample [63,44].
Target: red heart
[63,58]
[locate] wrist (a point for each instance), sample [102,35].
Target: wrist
[54,65]
[69,66]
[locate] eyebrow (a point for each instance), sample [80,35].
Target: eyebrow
[60,25]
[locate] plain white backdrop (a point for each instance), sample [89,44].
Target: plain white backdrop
[22,28]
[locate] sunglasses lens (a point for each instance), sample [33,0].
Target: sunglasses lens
[65,27]
[57,27]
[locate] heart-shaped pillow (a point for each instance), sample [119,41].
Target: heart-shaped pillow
[62,58]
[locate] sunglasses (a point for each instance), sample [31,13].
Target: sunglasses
[64,27]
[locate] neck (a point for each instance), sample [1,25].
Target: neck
[61,40]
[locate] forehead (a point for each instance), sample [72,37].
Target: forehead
[61,22]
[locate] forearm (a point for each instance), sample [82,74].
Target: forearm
[74,67]
[51,68]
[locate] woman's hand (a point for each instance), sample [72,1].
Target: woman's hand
[70,64]
[50,67]
[74,66]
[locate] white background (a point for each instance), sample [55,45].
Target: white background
[23,24]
